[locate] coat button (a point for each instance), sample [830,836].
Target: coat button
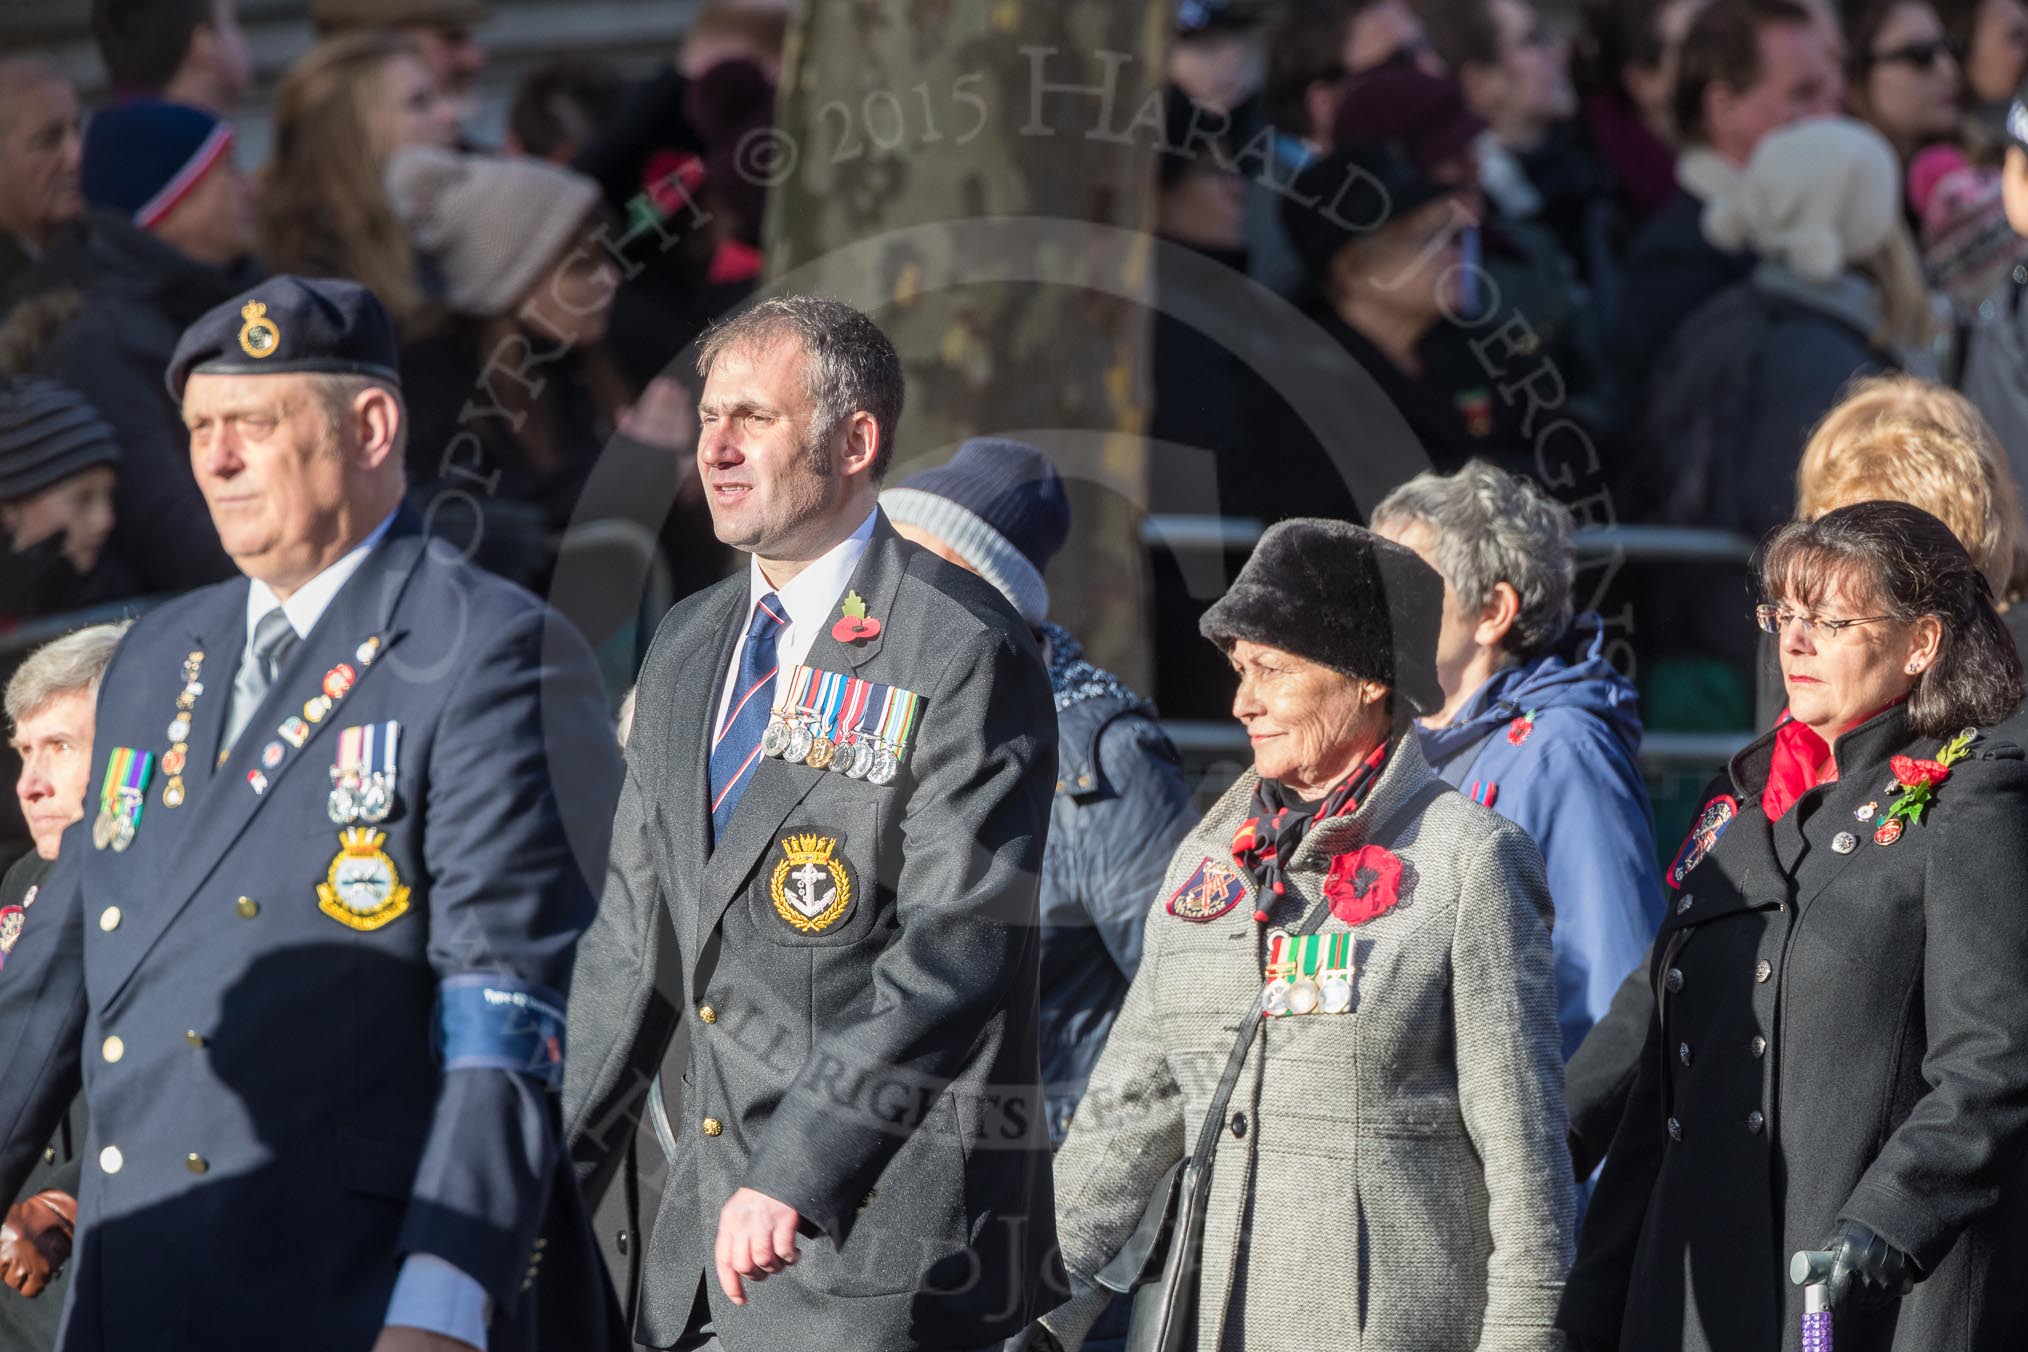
[1674,980]
[1239,1124]
[1683,1053]
[248,908]
[112,1048]
[1675,1130]
[49,1154]
[1754,1121]
[196,1164]
[712,1126]
[110,1159]
[109,919]
[707,1014]
[1683,905]
[1844,842]
[622,1240]
[1762,970]
[193,1037]
[1758,1046]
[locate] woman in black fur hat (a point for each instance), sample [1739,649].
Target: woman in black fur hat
[1390,1157]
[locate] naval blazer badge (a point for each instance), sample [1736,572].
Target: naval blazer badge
[361,889]
[1215,888]
[810,886]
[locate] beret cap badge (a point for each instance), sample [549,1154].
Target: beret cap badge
[258,337]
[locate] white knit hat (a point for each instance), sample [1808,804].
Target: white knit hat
[492,226]
[1818,195]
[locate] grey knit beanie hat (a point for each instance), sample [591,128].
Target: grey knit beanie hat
[491,226]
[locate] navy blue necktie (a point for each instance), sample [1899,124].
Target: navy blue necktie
[737,746]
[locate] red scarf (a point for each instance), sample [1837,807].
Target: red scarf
[1802,760]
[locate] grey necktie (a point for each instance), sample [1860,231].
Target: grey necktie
[273,639]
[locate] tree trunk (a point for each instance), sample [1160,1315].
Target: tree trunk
[977,175]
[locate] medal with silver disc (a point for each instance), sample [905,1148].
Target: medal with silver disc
[377,770]
[892,725]
[121,797]
[776,738]
[1303,993]
[851,715]
[1334,989]
[347,777]
[1274,995]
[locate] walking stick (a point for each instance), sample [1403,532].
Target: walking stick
[1811,1270]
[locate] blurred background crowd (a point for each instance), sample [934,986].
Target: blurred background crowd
[1633,251]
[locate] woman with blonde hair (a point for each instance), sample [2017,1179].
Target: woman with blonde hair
[341,114]
[1899,438]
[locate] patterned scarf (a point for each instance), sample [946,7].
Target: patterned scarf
[1280,820]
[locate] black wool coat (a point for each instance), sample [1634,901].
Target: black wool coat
[1841,1031]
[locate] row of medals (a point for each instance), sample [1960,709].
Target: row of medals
[862,757]
[1289,991]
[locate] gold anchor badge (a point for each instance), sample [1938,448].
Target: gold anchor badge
[361,890]
[798,884]
[258,337]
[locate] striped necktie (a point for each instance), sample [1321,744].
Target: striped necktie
[737,746]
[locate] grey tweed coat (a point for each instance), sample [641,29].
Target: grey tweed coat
[1388,1179]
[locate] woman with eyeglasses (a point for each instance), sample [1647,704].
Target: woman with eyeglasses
[1839,1054]
[1903,74]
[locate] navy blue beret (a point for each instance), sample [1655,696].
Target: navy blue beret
[290,324]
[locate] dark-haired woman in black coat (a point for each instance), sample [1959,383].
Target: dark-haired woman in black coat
[1839,1056]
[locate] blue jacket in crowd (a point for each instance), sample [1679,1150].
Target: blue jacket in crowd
[1550,744]
[1121,808]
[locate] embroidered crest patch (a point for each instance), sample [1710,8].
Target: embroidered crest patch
[811,885]
[1711,824]
[1215,888]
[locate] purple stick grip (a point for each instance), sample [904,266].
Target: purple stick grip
[1817,1331]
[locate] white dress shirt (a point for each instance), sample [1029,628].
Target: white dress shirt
[430,1293]
[810,600]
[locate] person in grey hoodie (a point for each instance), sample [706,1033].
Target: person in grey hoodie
[1536,724]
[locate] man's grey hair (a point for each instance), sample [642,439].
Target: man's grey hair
[1492,527]
[849,366]
[73,664]
[335,392]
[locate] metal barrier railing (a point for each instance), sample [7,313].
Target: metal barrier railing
[26,637]
[1662,752]
[1656,544]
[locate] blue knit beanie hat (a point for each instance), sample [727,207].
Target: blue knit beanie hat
[1001,506]
[142,158]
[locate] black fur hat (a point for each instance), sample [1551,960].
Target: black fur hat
[1343,597]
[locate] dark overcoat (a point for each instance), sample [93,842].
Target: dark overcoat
[1840,1033]
[287,1094]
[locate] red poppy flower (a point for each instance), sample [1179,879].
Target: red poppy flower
[1518,730]
[1909,772]
[1363,883]
[851,630]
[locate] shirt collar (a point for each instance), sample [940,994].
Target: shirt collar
[809,596]
[307,604]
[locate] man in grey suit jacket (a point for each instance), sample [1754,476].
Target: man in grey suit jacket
[825,864]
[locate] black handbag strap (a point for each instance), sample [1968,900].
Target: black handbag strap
[1214,1120]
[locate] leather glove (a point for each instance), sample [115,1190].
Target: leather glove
[35,1240]
[1866,1269]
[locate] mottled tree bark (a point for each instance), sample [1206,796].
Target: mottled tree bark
[978,175]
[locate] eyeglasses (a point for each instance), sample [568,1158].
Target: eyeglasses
[1776,620]
[1923,55]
